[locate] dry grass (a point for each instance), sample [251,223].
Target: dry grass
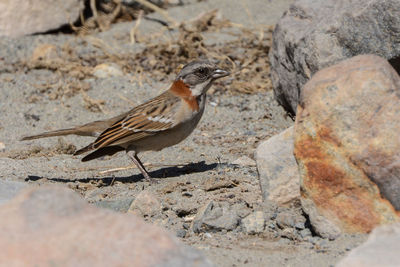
[246,56]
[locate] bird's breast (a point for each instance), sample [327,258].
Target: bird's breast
[187,112]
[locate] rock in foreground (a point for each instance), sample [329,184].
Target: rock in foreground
[8,189]
[381,249]
[53,226]
[347,146]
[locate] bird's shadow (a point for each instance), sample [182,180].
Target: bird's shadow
[166,172]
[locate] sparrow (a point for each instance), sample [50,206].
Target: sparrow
[160,122]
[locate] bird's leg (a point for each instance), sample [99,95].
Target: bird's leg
[132,154]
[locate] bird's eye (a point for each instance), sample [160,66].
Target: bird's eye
[202,71]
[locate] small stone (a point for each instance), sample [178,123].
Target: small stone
[186,226]
[2,146]
[214,217]
[241,208]
[254,223]
[289,233]
[305,233]
[244,161]
[120,205]
[146,204]
[107,70]
[272,225]
[213,183]
[181,233]
[299,225]
[289,219]
[46,52]
[208,235]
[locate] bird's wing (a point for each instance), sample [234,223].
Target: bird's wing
[147,119]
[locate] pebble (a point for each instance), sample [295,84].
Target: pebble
[305,233]
[291,219]
[254,223]
[215,216]
[107,70]
[242,209]
[146,204]
[121,205]
[272,225]
[181,233]
[213,183]
[289,233]
[299,225]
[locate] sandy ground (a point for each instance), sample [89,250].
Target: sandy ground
[61,91]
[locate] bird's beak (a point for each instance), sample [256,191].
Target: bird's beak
[218,73]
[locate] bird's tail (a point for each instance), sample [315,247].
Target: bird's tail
[84,149]
[108,150]
[51,133]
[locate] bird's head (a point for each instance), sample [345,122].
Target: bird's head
[199,75]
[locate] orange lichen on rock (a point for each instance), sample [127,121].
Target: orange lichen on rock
[346,157]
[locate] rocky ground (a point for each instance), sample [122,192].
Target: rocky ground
[208,185]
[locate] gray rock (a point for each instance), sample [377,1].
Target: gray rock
[290,219]
[241,208]
[8,189]
[312,35]
[20,17]
[305,233]
[277,168]
[381,249]
[214,217]
[181,233]
[254,223]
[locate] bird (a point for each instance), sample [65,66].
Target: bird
[161,122]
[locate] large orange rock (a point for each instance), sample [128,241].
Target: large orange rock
[53,226]
[347,146]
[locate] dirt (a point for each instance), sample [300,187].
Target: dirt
[48,82]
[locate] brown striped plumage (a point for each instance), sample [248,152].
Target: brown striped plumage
[161,122]
[136,124]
